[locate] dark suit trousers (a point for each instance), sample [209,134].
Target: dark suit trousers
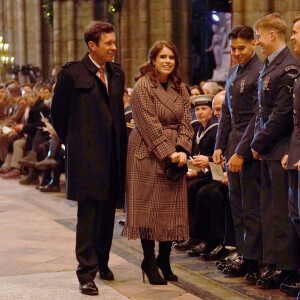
[294,198]
[210,213]
[280,239]
[193,186]
[244,192]
[95,226]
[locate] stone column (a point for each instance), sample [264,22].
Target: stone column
[21,53]
[71,29]
[84,15]
[56,34]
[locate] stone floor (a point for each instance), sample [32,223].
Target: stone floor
[37,260]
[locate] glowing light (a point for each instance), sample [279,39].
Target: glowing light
[215,17]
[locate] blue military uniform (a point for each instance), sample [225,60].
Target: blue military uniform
[272,131]
[235,134]
[294,157]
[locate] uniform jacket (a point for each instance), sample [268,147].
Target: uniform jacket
[294,145]
[236,127]
[273,124]
[204,141]
[88,120]
[156,207]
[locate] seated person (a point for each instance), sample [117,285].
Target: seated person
[203,148]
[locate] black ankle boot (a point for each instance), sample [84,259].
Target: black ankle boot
[163,261]
[149,265]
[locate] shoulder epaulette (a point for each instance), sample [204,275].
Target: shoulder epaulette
[69,63]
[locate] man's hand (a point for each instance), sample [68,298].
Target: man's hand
[284,161]
[235,163]
[217,156]
[297,165]
[200,161]
[191,173]
[255,154]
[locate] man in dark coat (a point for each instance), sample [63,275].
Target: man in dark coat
[291,161]
[235,134]
[88,116]
[272,132]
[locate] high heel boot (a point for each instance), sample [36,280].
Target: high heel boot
[163,261]
[149,264]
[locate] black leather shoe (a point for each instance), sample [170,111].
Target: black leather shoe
[291,288]
[253,277]
[198,250]
[88,288]
[106,274]
[231,257]
[236,268]
[49,188]
[219,252]
[276,279]
[186,245]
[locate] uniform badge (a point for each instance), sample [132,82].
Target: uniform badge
[266,84]
[242,86]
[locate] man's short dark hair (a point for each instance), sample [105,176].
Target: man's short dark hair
[241,31]
[95,29]
[296,19]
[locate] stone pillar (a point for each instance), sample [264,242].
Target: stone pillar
[56,34]
[71,29]
[21,53]
[84,15]
[181,36]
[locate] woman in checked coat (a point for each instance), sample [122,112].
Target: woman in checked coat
[156,207]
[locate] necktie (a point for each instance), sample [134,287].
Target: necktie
[101,71]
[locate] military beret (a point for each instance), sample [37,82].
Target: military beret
[202,100]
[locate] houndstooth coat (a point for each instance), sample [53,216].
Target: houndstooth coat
[157,208]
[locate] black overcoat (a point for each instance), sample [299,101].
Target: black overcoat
[89,120]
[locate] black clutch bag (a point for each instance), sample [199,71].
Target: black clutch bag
[174,173]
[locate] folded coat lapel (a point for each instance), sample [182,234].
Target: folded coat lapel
[167,97]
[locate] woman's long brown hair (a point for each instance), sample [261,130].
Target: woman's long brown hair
[149,69]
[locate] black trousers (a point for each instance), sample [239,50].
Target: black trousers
[193,186]
[94,232]
[280,240]
[210,213]
[294,198]
[244,193]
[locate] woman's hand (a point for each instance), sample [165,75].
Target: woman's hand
[179,157]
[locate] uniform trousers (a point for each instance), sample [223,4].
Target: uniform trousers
[280,240]
[294,198]
[94,231]
[244,193]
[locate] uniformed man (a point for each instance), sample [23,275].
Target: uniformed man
[272,131]
[235,134]
[291,162]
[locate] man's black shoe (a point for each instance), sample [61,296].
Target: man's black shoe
[219,252]
[106,274]
[291,288]
[186,245]
[88,288]
[252,277]
[276,279]
[198,250]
